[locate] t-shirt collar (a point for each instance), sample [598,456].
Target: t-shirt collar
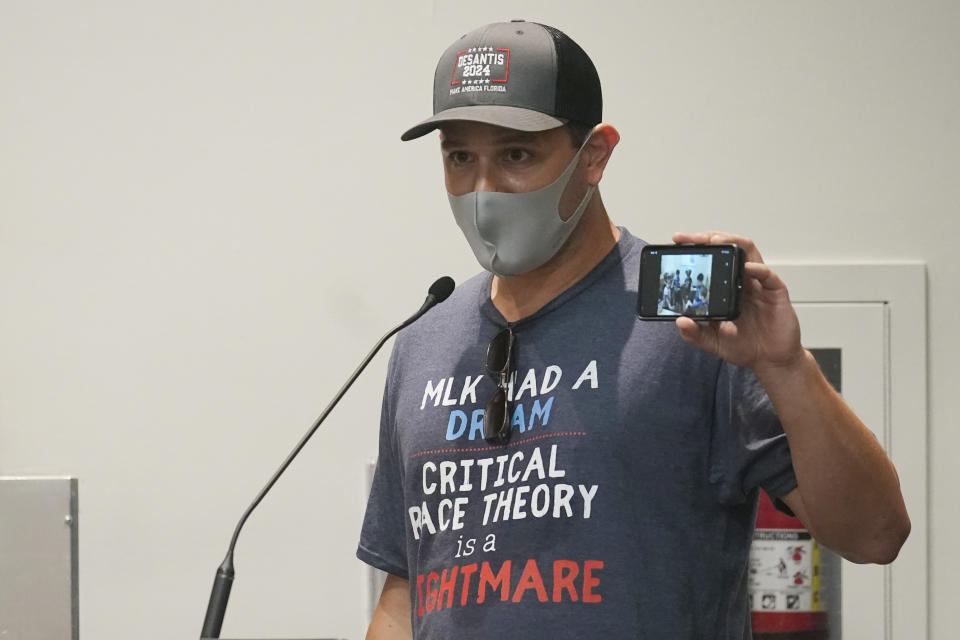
[624,246]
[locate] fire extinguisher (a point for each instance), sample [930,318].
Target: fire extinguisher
[786,587]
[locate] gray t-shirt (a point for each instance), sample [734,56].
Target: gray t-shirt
[623,505]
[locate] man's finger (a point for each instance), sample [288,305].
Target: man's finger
[689,331]
[720,237]
[699,237]
[701,335]
[766,276]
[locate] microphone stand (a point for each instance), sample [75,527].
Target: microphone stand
[223,581]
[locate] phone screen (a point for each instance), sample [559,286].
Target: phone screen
[700,281]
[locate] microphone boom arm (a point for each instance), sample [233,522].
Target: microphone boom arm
[223,581]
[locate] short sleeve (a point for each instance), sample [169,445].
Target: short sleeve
[748,448]
[382,537]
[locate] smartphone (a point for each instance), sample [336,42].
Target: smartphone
[703,281]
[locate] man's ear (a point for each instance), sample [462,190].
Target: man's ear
[603,139]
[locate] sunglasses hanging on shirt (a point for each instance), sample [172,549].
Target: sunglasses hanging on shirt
[499,409]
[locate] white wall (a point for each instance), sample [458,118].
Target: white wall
[206,218]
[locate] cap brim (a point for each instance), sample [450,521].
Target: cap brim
[500,115]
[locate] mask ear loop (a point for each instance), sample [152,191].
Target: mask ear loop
[567,173]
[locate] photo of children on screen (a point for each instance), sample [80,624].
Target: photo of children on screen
[684,285]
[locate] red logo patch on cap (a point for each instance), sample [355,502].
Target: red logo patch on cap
[481,65]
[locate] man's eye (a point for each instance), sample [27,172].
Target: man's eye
[517,155]
[458,157]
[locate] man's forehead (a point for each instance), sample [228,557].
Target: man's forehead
[464,131]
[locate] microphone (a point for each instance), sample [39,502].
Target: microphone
[438,292]
[223,581]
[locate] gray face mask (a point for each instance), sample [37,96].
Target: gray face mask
[514,233]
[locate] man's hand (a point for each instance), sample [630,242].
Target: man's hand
[848,494]
[767,333]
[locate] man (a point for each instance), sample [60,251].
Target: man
[552,467]
[698,302]
[686,289]
[666,295]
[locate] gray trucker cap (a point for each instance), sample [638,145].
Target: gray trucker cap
[519,75]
